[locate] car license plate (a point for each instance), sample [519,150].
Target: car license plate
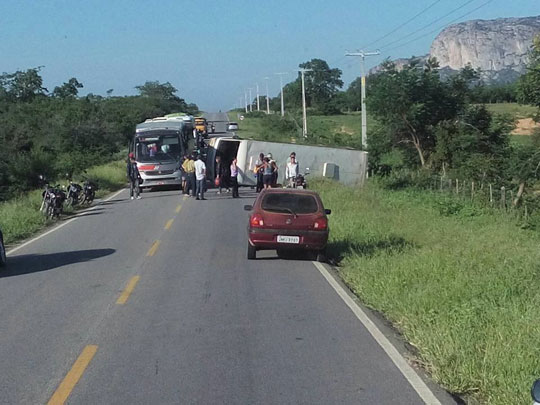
[288,239]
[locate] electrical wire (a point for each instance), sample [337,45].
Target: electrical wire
[428,25]
[403,24]
[441,27]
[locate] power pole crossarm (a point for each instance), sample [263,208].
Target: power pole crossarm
[363,56]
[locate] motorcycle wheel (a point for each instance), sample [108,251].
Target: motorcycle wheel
[50,211]
[2,253]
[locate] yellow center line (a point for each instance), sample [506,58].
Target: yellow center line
[72,378]
[179,208]
[129,289]
[185,197]
[153,249]
[169,224]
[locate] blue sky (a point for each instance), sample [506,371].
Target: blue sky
[211,50]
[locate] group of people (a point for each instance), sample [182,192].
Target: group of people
[266,170]
[226,175]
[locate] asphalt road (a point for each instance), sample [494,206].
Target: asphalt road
[220,121]
[198,324]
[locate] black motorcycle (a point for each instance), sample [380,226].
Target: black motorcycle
[73,194]
[88,192]
[2,251]
[52,204]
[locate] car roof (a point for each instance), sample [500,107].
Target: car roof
[289,191]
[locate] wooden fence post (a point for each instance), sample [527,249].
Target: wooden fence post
[503,197]
[457,186]
[472,190]
[490,194]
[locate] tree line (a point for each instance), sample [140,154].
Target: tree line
[59,133]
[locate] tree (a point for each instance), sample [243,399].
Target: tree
[67,90]
[529,83]
[322,83]
[165,91]
[411,102]
[23,86]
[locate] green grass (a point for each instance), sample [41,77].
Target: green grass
[513,109]
[20,217]
[335,130]
[464,289]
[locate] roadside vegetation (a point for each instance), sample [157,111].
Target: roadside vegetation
[458,280]
[59,134]
[20,216]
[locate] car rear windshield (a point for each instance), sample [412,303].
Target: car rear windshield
[287,202]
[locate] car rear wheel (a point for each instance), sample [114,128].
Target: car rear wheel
[320,255]
[251,252]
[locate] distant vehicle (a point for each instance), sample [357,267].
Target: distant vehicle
[201,125]
[2,250]
[288,220]
[232,126]
[159,145]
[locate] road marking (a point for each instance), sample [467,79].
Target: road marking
[72,378]
[153,249]
[178,208]
[185,197]
[129,289]
[408,372]
[169,224]
[61,225]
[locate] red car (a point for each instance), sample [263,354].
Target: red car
[288,219]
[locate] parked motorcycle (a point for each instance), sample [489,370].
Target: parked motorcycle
[2,251]
[88,192]
[52,204]
[73,194]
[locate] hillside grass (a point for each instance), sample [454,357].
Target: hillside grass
[463,288]
[514,109]
[337,129]
[20,217]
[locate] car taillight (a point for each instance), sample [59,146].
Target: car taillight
[320,224]
[256,221]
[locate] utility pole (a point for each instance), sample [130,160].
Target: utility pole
[250,99]
[281,87]
[267,97]
[257,84]
[362,56]
[304,114]
[245,100]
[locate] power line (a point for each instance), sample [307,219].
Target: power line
[441,27]
[428,25]
[404,24]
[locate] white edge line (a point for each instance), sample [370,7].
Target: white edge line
[62,224]
[408,372]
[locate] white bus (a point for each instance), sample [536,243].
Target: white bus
[159,145]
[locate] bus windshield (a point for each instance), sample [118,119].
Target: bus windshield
[158,148]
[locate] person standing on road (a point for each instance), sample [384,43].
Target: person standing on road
[133,176]
[274,166]
[200,177]
[291,171]
[268,173]
[259,172]
[234,179]
[189,168]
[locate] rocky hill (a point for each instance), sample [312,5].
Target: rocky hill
[498,47]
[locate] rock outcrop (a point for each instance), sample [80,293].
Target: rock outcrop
[498,47]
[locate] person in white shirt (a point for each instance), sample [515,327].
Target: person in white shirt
[200,177]
[292,170]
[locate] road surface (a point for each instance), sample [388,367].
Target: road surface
[220,121]
[153,301]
